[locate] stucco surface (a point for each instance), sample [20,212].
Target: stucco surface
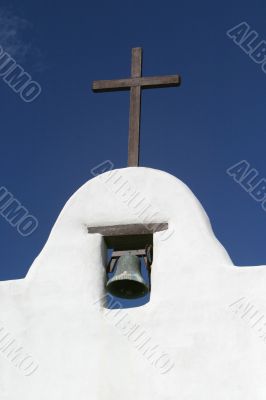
[197,345]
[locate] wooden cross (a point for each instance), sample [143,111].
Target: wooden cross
[135,84]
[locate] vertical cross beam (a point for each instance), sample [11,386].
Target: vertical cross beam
[135,109]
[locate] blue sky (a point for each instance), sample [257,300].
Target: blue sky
[196,132]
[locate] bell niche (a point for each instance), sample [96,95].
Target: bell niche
[130,246]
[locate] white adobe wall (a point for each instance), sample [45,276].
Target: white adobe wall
[191,341]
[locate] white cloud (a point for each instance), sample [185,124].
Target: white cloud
[11,40]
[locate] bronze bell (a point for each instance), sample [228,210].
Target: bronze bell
[127,281]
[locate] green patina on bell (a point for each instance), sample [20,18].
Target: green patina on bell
[127,281]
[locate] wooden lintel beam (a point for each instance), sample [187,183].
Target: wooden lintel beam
[132,229]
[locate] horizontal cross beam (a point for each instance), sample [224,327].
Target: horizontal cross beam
[143,82]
